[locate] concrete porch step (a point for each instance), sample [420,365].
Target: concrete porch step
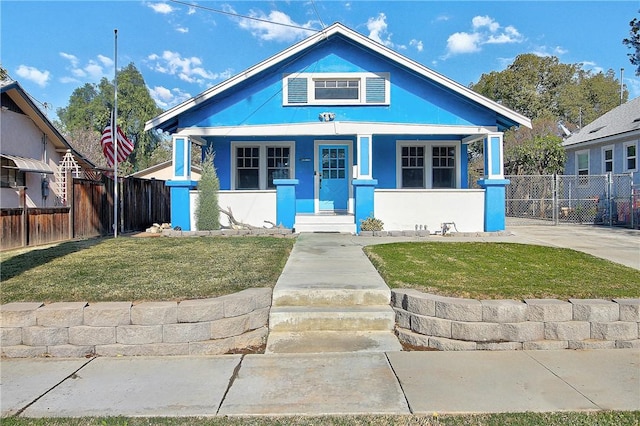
[325,223]
[331,318]
[332,341]
[319,295]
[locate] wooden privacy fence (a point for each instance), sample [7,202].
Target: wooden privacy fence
[142,203]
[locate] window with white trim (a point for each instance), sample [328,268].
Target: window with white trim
[631,157]
[357,88]
[607,159]
[582,166]
[427,165]
[256,165]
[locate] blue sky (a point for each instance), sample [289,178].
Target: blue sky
[53,47]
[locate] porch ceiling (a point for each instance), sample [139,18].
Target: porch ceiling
[468,133]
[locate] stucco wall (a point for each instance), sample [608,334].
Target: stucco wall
[250,207]
[402,210]
[21,137]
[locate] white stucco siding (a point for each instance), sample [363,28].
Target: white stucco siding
[21,137]
[403,209]
[250,207]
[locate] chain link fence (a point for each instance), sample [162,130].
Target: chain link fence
[610,200]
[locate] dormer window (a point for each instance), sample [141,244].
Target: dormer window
[336,89]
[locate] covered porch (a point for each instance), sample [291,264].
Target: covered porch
[331,175]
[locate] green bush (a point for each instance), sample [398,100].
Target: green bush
[207,209]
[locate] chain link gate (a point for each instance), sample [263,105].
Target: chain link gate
[607,199]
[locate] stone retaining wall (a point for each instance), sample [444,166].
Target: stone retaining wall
[191,327]
[447,323]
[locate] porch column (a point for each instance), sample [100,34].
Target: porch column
[181,183]
[286,202]
[494,184]
[364,157]
[364,197]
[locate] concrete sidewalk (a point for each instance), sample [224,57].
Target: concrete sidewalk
[319,384]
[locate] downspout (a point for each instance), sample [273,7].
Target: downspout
[44,184]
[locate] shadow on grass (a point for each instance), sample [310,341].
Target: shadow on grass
[13,266]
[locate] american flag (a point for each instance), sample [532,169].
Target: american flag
[125,147]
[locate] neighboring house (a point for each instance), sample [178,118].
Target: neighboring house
[164,171]
[338,128]
[34,155]
[608,144]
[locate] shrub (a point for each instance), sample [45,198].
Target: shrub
[371,224]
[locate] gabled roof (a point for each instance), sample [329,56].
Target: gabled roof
[621,121]
[167,120]
[26,105]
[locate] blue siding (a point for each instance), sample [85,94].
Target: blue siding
[414,99]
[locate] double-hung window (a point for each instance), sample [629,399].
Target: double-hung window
[631,157]
[427,165]
[257,165]
[582,166]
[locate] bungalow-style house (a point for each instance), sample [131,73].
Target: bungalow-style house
[164,171]
[339,128]
[35,157]
[609,144]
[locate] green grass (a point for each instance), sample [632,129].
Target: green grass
[601,418]
[142,269]
[502,270]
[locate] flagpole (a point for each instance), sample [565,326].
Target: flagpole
[114,135]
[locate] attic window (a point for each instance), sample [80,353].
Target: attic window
[597,129]
[356,88]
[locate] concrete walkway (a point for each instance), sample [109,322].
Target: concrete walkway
[319,384]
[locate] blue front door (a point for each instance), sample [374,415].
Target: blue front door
[333,182]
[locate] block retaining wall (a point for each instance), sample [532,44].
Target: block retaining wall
[191,327]
[447,323]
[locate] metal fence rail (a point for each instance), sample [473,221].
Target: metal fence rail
[610,200]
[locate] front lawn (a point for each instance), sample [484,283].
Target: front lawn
[142,269]
[502,270]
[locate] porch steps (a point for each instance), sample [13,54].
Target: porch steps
[330,298]
[325,223]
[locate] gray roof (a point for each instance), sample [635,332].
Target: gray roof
[617,122]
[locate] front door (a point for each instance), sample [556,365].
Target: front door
[333,177]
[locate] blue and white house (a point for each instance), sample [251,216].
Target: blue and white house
[338,128]
[609,144]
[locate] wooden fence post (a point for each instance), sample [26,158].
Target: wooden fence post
[22,195]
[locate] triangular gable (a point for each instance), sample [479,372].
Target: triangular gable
[168,120]
[22,100]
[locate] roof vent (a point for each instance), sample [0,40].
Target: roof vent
[597,129]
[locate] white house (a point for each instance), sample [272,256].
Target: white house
[34,155]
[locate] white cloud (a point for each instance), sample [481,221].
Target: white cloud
[187,69]
[41,78]
[378,30]
[283,28]
[549,51]
[191,11]
[182,30]
[166,98]
[486,30]
[160,7]
[463,43]
[72,58]
[93,70]
[485,21]
[417,44]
